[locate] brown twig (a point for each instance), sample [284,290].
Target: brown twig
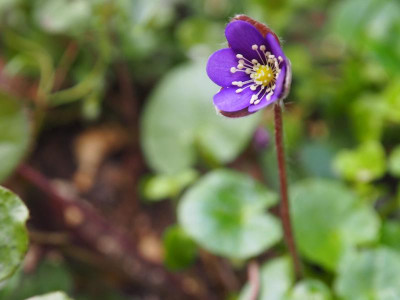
[284,205]
[99,235]
[254,280]
[49,238]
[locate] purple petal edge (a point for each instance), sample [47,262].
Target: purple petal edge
[274,46]
[229,101]
[241,36]
[219,65]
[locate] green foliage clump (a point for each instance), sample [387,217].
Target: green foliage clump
[64,63]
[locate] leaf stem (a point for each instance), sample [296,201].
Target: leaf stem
[284,205]
[254,279]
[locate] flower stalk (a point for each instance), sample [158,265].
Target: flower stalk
[284,205]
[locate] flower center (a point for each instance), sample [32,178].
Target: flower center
[262,72]
[265,75]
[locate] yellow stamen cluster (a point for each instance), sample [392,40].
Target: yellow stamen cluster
[263,73]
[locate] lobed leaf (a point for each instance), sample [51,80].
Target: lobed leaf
[13,234]
[225,212]
[328,220]
[179,123]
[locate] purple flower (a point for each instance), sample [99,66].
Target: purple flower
[253,72]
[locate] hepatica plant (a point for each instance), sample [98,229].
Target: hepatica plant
[253,72]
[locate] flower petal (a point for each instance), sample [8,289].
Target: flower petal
[229,101]
[241,36]
[277,93]
[219,68]
[274,46]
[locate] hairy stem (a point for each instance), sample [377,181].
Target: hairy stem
[284,205]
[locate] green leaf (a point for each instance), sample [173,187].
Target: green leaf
[225,213]
[364,164]
[179,122]
[361,226]
[310,289]
[367,117]
[62,16]
[179,250]
[48,277]
[316,158]
[392,101]
[13,234]
[276,278]
[8,4]
[328,220]
[350,19]
[51,296]
[199,31]
[149,14]
[14,134]
[163,186]
[10,284]
[394,162]
[390,234]
[369,274]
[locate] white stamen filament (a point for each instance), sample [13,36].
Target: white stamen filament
[265,92]
[240,56]
[263,73]
[255,48]
[241,83]
[269,96]
[254,99]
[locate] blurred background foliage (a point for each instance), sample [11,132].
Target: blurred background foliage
[137,189]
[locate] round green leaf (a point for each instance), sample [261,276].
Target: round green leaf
[62,16]
[13,234]
[276,278]
[390,234]
[369,274]
[14,134]
[367,117]
[49,276]
[328,220]
[10,284]
[179,250]
[179,122]
[392,101]
[363,164]
[225,212]
[310,289]
[316,159]
[394,162]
